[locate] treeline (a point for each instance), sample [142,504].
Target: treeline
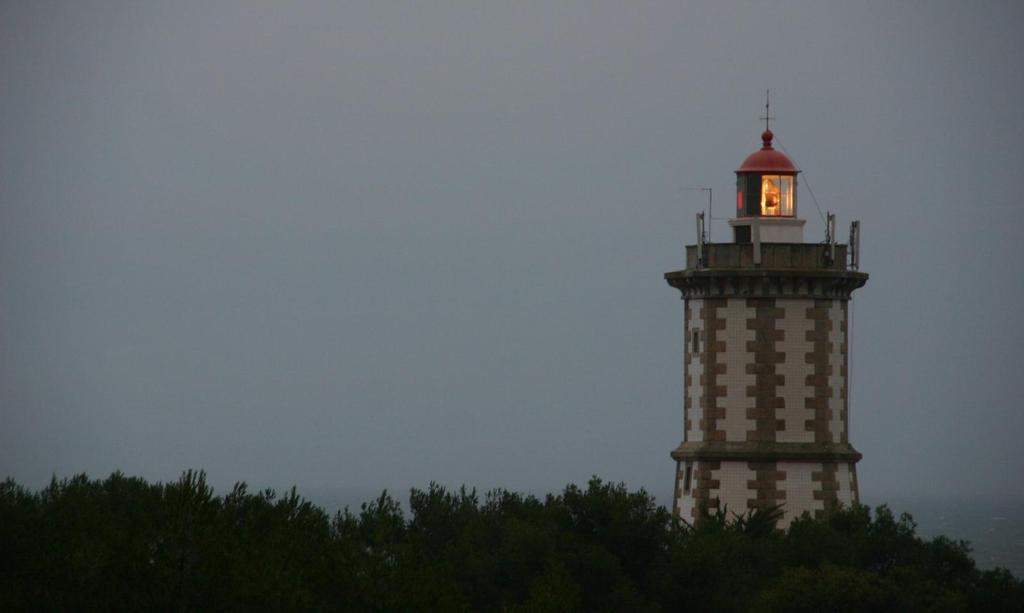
[125,544]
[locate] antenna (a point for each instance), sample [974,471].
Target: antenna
[700,239]
[767,109]
[830,235]
[855,245]
[710,216]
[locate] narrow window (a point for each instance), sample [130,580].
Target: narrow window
[695,345]
[686,478]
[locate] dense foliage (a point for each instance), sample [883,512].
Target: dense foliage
[124,544]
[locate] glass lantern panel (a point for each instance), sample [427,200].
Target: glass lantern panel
[786,203]
[752,196]
[771,195]
[776,196]
[741,185]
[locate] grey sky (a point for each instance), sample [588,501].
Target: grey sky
[377,244]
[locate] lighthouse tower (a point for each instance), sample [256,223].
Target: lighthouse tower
[766,341]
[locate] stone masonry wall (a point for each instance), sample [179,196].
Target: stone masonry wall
[693,371]
[738,487]
[793,389]
[733,404]
[766,370]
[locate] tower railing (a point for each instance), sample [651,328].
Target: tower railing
[797,256]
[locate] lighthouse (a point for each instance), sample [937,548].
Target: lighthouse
[766,367]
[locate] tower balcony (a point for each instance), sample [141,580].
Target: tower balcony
[766,270]
[787,256]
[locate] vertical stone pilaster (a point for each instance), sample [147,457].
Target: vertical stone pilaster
[688,350]
[818,360]
[827,487]
[703,484]
[678,490]
[714,326]
[844,372]
[854,488]
[837,366]
[762,362]
[793,372]
[766,485]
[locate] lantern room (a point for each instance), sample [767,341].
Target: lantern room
[766,197]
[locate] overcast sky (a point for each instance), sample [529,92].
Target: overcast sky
[382,243]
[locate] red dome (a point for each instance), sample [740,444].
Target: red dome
[767,159]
